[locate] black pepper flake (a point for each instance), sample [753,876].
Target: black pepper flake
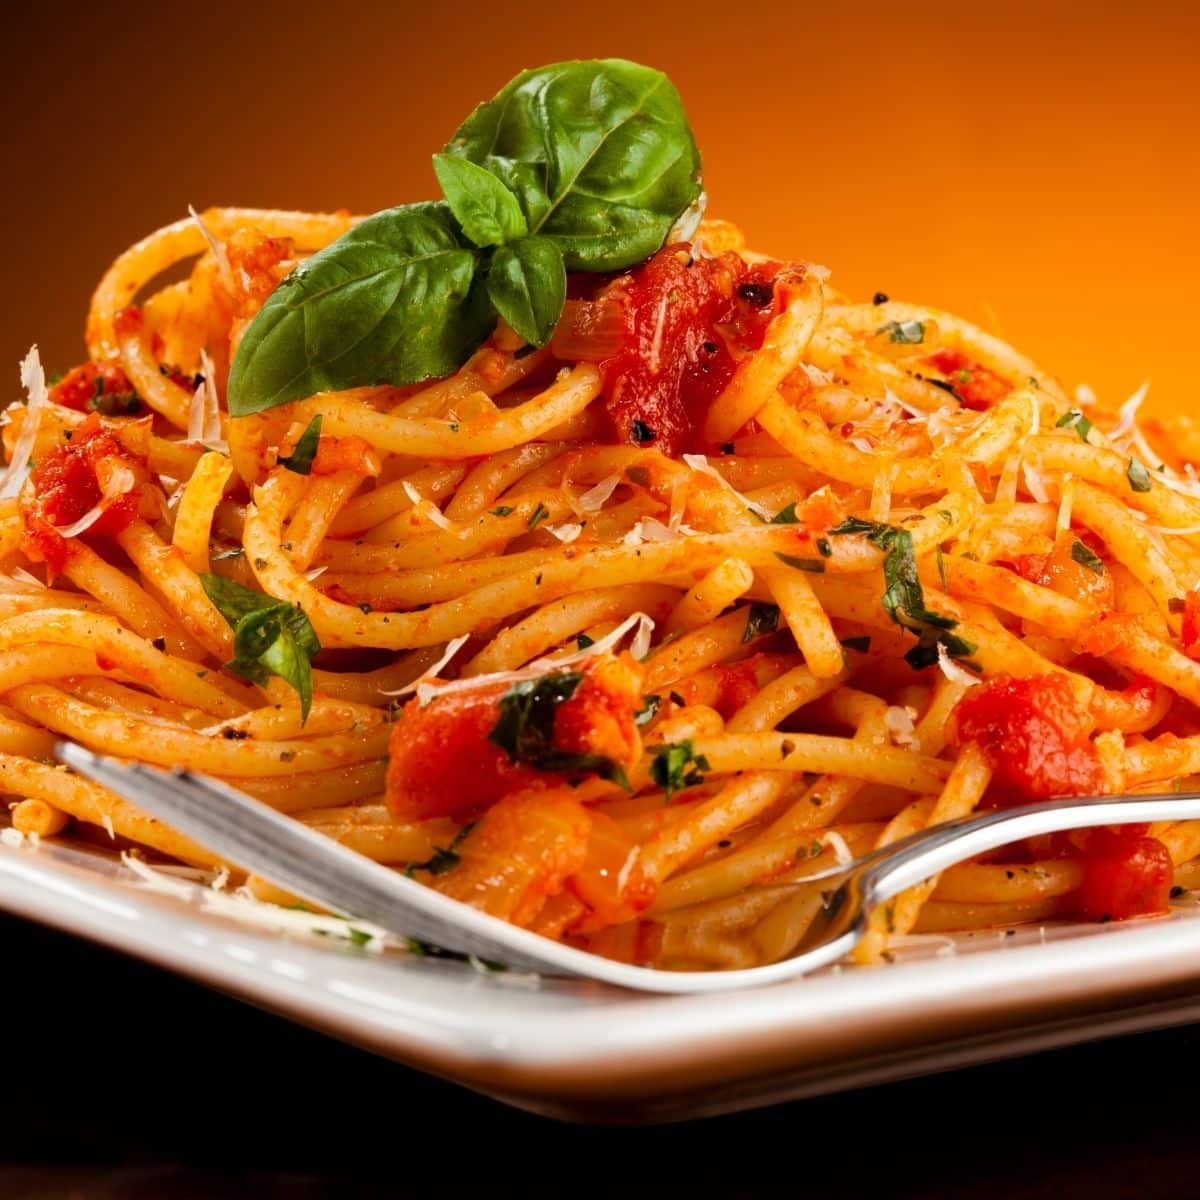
[641,432]
[1176,892]
[724,843]
[726,447]
[709,347]
[758,294]
[159,643]
[234,735]
[676,698]
[365,608]
[879,298]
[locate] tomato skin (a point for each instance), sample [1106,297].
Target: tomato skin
[64,485]
[442,763]
[1124,876]
[976,387]
[1059,571]
[1035,736]
[686,318]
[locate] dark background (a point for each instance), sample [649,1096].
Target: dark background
[1033,165]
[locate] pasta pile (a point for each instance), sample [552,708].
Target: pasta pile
[601,683]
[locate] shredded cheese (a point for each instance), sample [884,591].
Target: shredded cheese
[204,413]
[566,532]
[218,250]
[901,725]
[594,499]
[33,380]
[452,648]
[701,465]
[953,671]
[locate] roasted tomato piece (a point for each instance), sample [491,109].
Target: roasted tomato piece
[1124,876]
[1034,734]
[466,749]
[519,854]
[90,469]
[89,388]
[1065,570]
[672,345]
[976,386]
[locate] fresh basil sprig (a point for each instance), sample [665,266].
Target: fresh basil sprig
[581,166]
[270,637]
[300,461]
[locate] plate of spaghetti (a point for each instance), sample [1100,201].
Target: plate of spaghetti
[548,544]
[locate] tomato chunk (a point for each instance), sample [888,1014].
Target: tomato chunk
[1062,572]
[75,476]
[88,388]
[1124,876]
[465,750]
[976,386]
[685,319]
[1034,734]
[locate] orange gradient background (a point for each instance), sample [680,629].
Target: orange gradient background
[1033,166]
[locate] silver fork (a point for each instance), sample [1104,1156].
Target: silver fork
[256,838]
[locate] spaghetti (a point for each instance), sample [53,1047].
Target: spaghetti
[730,579]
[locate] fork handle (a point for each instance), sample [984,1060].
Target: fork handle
[913,859]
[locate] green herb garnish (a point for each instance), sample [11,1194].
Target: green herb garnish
[1085,558]
[1138,476]
[786,516]
[1074,419]
[904,598]
[525,729]
[578,166]
[677,766]
[301,458]
[270,637]
[761,620]
[814,566]
[538,515]
[908,333]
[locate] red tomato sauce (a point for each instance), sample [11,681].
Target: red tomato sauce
[443,764]
[83,387]
[1035,736]
[685,319]
[64,485]
[976,387]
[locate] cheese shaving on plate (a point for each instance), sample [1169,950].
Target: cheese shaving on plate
[33,380]
[953,671]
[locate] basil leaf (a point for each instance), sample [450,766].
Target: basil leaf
[301,458]
[1138,476]
[1074,419]
[761,620]
[599,154]
[395,300]
[527,285]
[524,729]
[812,565]
[786,516]
[677,765]
[270,637]
[1085,558]
[487,211]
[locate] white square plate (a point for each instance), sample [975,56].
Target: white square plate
[589,1052]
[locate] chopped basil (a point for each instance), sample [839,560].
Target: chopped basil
[677,766]
[941,566]
[824,548]
[582,641]
[812,565]
[861,644]
[1085,558]
[786,516]
[1138,476]
[762,619]
[301,458]
[443,858]
[904,598]
[908,333]
[1074,419]
[524,729]
[539,515]
[502,511]
[270,637]
[648,711]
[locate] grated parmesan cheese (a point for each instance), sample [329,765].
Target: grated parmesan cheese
[204,413]
[701,465]
[33,380]
[426,508]
[566,532]
[953,671]
[597,497]
[218,250]
[900,722]
[452,648]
